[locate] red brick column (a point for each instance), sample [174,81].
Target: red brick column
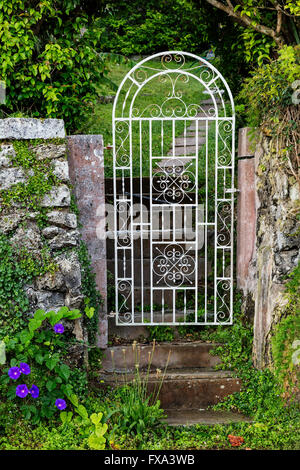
[86,165]
[246,209]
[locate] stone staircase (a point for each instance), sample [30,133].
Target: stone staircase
[190,382]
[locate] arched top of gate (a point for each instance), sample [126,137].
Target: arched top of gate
[173,84]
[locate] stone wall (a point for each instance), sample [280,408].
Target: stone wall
[275,248]
[58,234]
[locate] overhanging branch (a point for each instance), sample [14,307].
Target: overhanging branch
[244,19]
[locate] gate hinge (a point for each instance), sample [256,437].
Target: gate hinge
[232,190]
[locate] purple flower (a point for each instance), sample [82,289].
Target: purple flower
[59,328]
[24,368]
[60,404]
[14,373]
[22,391]
[34,391]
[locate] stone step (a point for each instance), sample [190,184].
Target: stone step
[209,101]
[192,126]
[202,416]
[188,141]
[181,355]
[182,389]
[192,133]
[182,151]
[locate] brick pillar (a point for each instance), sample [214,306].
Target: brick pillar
[86,164]
[246,209]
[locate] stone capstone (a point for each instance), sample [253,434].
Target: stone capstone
[29,128]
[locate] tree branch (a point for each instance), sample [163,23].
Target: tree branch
[249,23]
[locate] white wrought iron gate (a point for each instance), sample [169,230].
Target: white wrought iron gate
[173,126]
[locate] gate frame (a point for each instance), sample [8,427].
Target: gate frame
[216,119]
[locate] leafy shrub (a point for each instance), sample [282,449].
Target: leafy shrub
[269,88]
[48,60]
[144,28]
[270,97]
[42,350]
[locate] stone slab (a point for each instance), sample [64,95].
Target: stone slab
[188,141]
[183,389]
[203,416]
[195,354]
[29,128]
[188,150]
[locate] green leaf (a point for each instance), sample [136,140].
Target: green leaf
[95,442]
[51,385]
[2,353]
[39,358]
[74,399]
[25,336]
[89,311]
[64,371]
[100,429]
[52,362]
[96,418]
[81,410]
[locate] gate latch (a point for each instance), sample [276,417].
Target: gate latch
[232,190]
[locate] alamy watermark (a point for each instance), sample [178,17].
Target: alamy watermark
[137,221]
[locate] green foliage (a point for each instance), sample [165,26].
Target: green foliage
[89,427]
[17,268]
[93,298]
[45,352]
[261,393]
[257,436]
[144,28]
[24,436]
[270,87]
[48,58]
[286,339]
[293,6]
[101,120]
[132,412]
[40,179]
[161,333]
